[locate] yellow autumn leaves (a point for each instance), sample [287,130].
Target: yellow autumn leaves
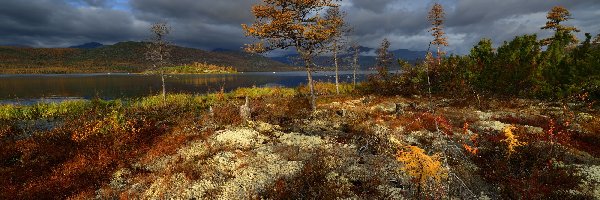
[281,24]
[420,166]
[423,168]
[511,139]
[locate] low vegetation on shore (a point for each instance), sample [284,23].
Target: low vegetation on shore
[196,68]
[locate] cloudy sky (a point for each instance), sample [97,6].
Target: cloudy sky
[210,24]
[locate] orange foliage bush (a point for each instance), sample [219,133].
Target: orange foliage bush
[426,121]
[227,114]
[280,110]
[426,171]
[525,165]
[421,166]
[511,140]
[75,157]
[165,145]
[472,149]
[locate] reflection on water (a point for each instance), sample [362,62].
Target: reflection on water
[27,88]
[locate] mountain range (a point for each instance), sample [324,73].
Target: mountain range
[129,57]
[122,57]
[367,59]
[89,45]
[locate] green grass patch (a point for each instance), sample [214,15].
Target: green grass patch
[185,101]
[264,92]
[44,110]
[197,68]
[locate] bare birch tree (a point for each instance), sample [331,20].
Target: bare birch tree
[336,16]
[355,64]
[158,50]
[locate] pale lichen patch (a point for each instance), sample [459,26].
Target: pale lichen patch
[240,138]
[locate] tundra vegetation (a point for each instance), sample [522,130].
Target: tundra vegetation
[514,122]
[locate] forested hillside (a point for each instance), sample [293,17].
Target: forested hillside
[120,57]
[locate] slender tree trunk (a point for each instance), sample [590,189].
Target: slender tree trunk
[354,77]
[439,58]
[162,79]
[307,56]
[311,86]
[355,67]
[164,90]
[427,69]
[335,61]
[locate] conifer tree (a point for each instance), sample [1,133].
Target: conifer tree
[436,17]
[556,16]
[556,71]
[384,58]
[298,24]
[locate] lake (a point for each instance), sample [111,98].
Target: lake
[27,89]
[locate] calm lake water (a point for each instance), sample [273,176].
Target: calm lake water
[27,89]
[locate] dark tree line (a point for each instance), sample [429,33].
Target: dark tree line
[550,68]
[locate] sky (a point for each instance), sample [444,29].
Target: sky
[211,24]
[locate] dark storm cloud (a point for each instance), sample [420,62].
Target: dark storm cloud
[392,19]
[206,24]
[371,5]
[404,23]
[232,12]
[210,24]
[47,23]
[469,12]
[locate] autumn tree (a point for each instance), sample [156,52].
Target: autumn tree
[339,28]
[556,16]
[158,49]
[299,24]
[436,17]
[384,58]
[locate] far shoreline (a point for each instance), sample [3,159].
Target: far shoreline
[144,73]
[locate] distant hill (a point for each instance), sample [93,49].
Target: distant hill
[90,45]
[409,55]
[121,57]
[367,59]
[223,50]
